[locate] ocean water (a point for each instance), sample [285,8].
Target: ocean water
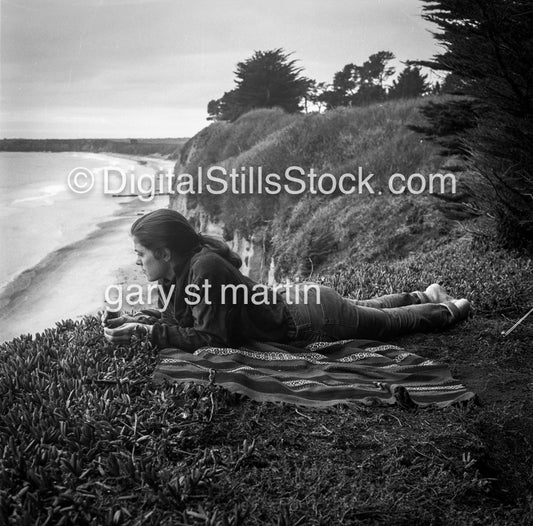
[61,249]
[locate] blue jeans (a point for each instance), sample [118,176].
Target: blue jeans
[319,313]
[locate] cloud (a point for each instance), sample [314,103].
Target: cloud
[70,55]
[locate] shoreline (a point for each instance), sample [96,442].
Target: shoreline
[69,281]
[9,278]
[72,279]
[24,279]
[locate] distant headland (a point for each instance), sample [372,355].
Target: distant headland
[166,147]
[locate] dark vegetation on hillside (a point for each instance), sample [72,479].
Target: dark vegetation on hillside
[306,232]
[87,439]
[488,49]
[165,147]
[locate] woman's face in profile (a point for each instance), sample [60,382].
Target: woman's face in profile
[154,268]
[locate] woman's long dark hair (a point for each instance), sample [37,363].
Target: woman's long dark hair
[166,228]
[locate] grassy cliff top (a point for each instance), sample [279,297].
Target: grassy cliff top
[88,439]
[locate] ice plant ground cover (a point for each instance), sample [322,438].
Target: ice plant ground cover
[87,438]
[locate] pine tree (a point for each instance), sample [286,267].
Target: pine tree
[267,79]
[410,83]
[360,85]
[489,51]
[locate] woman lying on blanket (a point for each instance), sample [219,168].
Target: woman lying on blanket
[209,302]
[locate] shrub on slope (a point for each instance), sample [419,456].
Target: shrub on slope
[374,139]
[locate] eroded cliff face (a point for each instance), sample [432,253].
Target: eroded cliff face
[253,254]
[252,251]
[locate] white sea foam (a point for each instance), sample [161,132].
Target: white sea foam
[46,196]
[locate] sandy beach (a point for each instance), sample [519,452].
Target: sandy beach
[71,282]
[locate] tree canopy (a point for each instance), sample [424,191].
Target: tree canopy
[267,79]
[271,79]
[357,85]
[488,48]
[410,83]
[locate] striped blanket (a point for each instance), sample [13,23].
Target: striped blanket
[320,375]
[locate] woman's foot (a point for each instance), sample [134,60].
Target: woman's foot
[459,309]
[436,294]
[464,308]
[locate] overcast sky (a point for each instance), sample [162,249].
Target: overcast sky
[148,68]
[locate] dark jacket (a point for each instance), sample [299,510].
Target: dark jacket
[219,318]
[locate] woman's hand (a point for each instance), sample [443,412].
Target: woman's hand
[115,319]
[124,333]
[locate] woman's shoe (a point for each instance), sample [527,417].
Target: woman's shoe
[459,309]
[436,294]
[464,307]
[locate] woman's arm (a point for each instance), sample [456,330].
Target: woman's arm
[212,318]
[212,321]
[212,326]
